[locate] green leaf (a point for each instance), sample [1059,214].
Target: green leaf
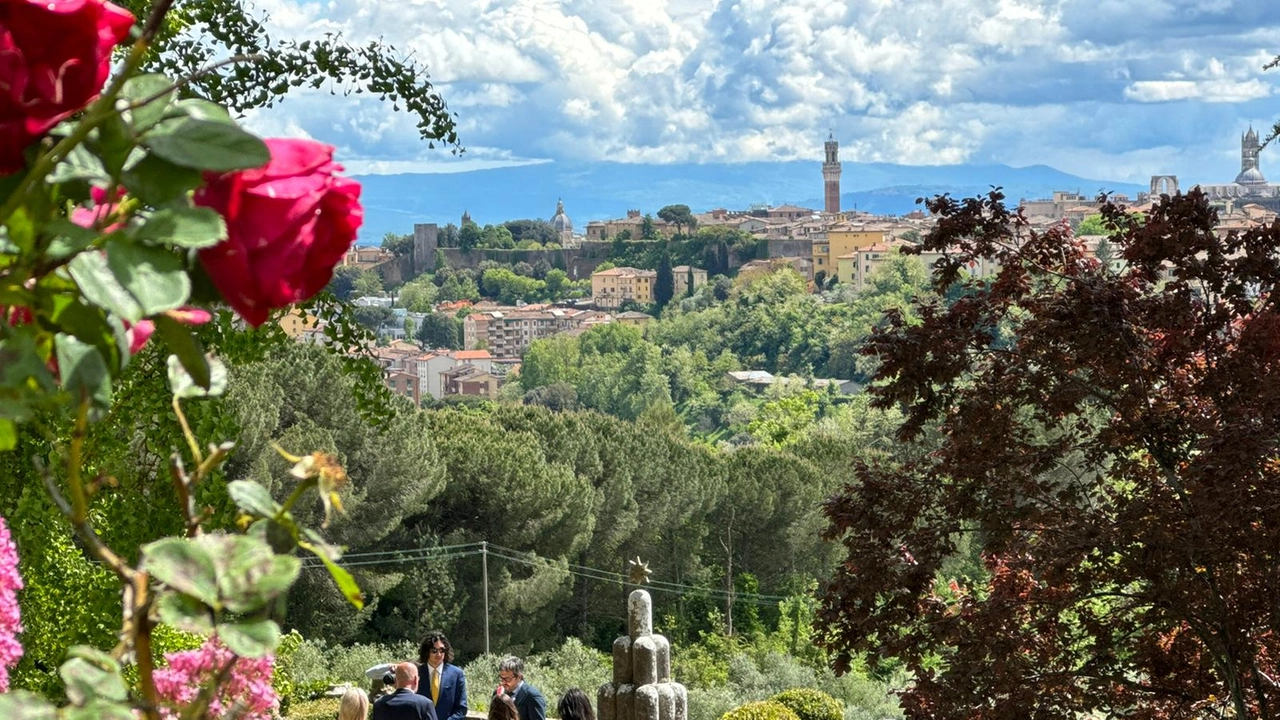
[250,638]
[252,498]
[79,164]
[206,145]
[84,371]
[141,87]
[185,613]
[92,674]
[199,109]
[100,711]
[317,544]
[100,286]
[156,181]
[114,143]
[184,386]
[346,584]
[253,583]
[188,227]
[68,238]
[21,366]
[188,349]
[88,325]
[25,705]
[21,231]
[278,535]
[8,435]
[250,575]
[186,565]
[153,276]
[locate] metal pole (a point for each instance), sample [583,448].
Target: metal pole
[484,560]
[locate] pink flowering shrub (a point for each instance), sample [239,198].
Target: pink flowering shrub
[10,617]
[248,686]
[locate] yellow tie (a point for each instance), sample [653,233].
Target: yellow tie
[435,685]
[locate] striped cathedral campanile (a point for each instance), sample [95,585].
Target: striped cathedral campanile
[831,176]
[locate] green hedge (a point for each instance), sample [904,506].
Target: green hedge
[762,710]
[810,704]
[321,709]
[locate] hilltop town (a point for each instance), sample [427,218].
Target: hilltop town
[455,308]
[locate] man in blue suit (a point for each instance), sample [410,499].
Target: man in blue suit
[527,698]
[405,703]
[441,680]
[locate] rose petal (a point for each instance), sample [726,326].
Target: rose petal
[139,334]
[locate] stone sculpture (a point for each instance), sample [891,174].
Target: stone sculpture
[642,688]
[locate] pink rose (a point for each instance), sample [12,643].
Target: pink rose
[55,56]
[139,333]
[288,225]
[104,204]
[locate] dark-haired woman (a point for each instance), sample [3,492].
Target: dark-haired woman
[575,706]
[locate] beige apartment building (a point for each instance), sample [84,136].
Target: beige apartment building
[507,333]
[841,241]
[683,275]
[856,267]
[611,288]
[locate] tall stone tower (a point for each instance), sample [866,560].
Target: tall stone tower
[831,175]
[426,238]
[1250,173]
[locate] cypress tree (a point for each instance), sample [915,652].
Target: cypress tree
[664,286]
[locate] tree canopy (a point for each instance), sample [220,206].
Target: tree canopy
[195,35]
[680,216]
[1105,444]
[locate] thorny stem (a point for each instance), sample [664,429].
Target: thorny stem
[186,431]
[298,491]
[182,486]
[141,637]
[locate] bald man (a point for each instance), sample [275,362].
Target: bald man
[405,703]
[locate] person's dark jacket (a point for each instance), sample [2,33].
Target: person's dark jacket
[452,703]
[530,703]
[404,704]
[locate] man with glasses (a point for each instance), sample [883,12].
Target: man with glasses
[442,681]
[527,698]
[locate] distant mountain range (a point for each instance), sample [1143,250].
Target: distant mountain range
[597,191]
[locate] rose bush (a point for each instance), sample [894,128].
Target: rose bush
[10,614]
[288,224]
[54,58]
[129,192]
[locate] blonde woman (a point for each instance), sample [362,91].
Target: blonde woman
[355,705]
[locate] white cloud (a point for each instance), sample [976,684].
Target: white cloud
[1217,91]
[918,81]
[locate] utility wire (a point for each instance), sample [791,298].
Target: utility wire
[453,552]
[620,579]
[610,575]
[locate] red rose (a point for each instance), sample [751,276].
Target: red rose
[55,56]
[288,225]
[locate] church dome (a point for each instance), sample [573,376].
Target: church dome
[560,221]
[1251,176]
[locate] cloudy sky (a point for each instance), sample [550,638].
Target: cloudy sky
[1108,89]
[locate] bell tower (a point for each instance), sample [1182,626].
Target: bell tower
[831,175]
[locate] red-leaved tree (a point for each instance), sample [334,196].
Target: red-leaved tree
[1106,442]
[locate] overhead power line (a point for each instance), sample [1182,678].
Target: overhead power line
[449,553]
